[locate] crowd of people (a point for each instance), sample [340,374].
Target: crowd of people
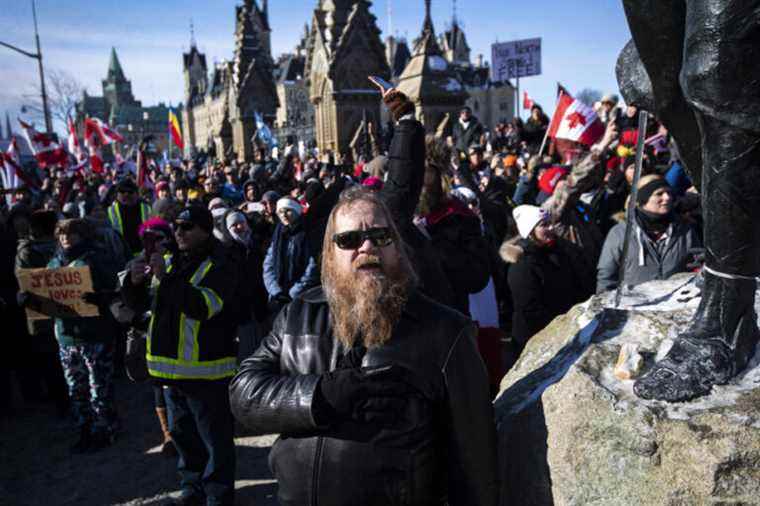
[267,272]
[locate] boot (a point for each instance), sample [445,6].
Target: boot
[167,447]
[717,347]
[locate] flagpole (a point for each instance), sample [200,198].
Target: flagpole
[546,135]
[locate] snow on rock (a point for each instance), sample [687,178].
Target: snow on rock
[571,433]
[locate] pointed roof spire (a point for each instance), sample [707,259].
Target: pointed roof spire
[428,24]
[265,10]
[454,15]
[192,34]
[115,71]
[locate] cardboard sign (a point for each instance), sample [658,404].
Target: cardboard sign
[61,290]
[518,58]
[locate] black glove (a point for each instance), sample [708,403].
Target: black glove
[283,298]
[28,299]
[360,393]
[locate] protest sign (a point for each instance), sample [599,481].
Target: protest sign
[60,290]
[515,59]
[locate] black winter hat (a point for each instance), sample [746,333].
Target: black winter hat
[126,185]
[197,215]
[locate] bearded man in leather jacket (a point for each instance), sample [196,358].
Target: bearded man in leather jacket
[378,392]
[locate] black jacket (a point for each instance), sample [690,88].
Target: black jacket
[544,283]
[465,137]
[448,433]
[401,193]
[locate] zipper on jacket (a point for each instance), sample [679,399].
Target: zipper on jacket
[315,475]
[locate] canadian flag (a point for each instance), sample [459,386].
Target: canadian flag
[98,134]
[527,101]
[575,121]
[47,152]
[74,147]
[11,172]
[94,127]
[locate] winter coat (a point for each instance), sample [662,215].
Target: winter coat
[544,282]
[250,291]
[465,137]
[289,266]
[447,436]
[401,193]
[78,330]
[647,260]
[456,234]
[33,254]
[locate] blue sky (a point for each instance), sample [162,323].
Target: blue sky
[581,38]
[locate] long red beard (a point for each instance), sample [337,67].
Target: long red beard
[365,305]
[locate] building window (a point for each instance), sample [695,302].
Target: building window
[476,106]
[503,106]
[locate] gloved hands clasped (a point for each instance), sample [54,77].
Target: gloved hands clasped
[374,395]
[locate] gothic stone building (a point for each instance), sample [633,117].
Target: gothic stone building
[295,115]
[344,49]
[221,108]
[118,107]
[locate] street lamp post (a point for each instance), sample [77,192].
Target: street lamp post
[37,56]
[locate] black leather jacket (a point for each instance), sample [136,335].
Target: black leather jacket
[445,444]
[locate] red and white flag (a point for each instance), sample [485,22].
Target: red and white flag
[94,127]
[527,101]
[575,121]
[74,147]
[11,173]
[47,152]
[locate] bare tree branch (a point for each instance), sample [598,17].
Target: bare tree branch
[64,91]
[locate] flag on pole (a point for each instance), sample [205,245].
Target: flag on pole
[11,171]
[575,121]
[174,131]
[527,101]
[74,147]
[143,181]
[46,151]
[96,128]
[263,132]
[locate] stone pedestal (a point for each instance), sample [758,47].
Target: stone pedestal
[571,433]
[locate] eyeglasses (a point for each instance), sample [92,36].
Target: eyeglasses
[184,226]
[353,239]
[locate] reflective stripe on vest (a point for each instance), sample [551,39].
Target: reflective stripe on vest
[188,365]
[114,216]
[176,369]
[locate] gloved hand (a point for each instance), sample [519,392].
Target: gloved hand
[28,299]
[398,104]
[363,394]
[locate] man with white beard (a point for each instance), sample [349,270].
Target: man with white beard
[379,393]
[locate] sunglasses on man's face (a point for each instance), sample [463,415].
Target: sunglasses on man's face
[353,239]
[184,226]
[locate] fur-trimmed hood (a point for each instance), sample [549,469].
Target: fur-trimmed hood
[512,250]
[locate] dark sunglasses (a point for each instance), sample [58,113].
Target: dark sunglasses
[184,226]
[353,239]
[127,192]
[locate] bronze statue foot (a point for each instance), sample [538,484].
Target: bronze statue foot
[719,345]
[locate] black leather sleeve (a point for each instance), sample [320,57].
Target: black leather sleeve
[472,432]
[267,401]
[406,171]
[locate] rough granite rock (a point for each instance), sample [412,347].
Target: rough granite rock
[570,433]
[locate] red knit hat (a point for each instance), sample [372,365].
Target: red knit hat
[547,183]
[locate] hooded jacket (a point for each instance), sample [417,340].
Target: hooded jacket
[647,260]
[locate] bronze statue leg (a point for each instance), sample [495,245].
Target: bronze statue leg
[721,84]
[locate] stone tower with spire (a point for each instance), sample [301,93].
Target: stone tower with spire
[343,50]
[117,90]
[195,72]
[253,88]
[430,82]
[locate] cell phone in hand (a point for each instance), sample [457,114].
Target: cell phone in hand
[381,83]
